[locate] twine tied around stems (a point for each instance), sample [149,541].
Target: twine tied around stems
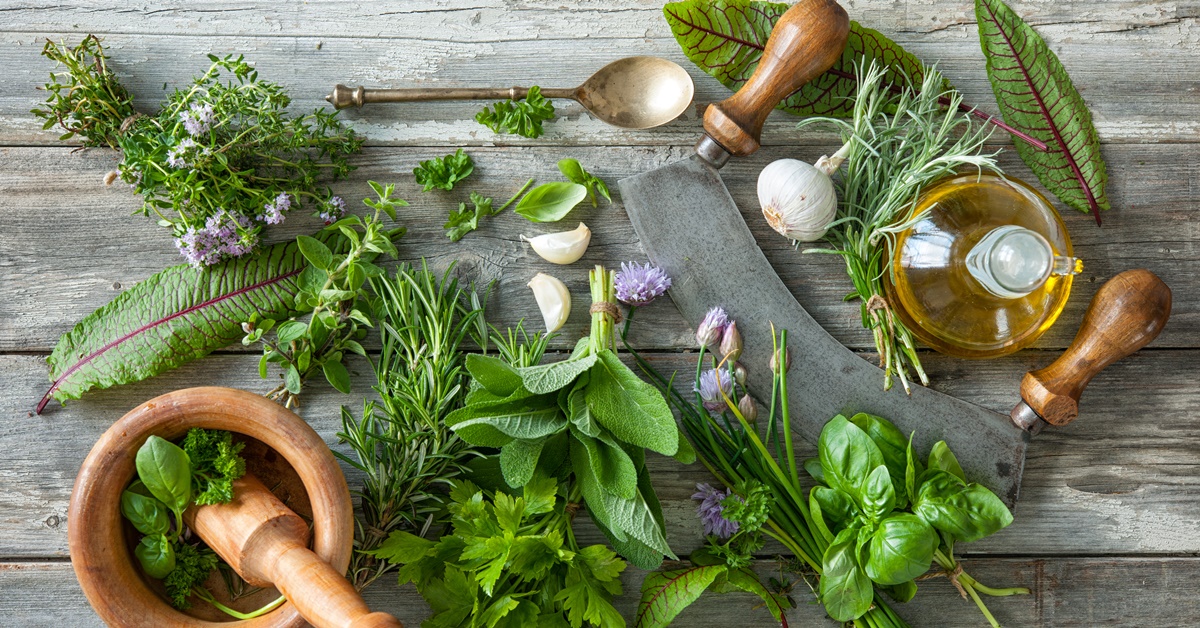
[611,309]
[952,575]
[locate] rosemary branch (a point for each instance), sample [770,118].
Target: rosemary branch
[897,143]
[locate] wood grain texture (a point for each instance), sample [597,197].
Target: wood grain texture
[54,271]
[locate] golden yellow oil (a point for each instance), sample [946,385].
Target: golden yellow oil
[930,288]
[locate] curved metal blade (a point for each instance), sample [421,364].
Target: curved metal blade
[690,226]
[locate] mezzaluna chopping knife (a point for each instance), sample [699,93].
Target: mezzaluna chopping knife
[690,227]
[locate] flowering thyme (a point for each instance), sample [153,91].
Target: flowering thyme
[332,210]
[639,285]
[273,212]
[198,118]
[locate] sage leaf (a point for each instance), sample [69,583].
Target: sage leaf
[847,456]
[156,556]
[1036,96]
[526,423]
[165,470]
[550,202]
[580,416]
[175,316]
[726,38]
[968,511]
[147,514]
[518,460]
[845,589]
[494,374]
[666,593]
[631,409]
[548,378]
[901,549]
[612,467]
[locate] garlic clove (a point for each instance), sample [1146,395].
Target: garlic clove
[553,300]
[565,247]
[798,199]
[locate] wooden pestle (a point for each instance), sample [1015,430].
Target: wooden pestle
[267,544]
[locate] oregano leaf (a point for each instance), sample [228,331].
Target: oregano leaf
[173,317]
[1037,97]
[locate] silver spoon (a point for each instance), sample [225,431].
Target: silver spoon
[631,93]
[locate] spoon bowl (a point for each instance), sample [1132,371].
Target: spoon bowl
[637,92]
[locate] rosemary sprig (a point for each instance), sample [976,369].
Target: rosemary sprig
[401,444]
[898,142]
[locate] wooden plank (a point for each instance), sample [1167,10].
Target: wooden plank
[1108,60]
[69,245]
[1084,592]
[1120,480]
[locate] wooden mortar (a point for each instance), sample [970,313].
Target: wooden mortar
[276,546]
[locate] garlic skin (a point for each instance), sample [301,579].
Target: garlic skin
[553,300]
[564,247]
[798,199]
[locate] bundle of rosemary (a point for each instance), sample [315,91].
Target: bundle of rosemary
[897,143]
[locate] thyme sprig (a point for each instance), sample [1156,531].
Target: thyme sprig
[898,142]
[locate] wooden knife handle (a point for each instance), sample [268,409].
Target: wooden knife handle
[805,42]
[1125,315]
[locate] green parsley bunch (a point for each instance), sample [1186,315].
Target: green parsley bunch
[219,161]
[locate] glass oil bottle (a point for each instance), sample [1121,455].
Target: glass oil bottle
[983,269]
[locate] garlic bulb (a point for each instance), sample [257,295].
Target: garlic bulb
[553,300]
[565,247]
[798,199]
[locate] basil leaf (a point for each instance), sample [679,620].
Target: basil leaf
[901,549]
[550,202]
[633,410]
[837,506]
[166,471]
[892,444]
[548,378]
[941,458]
[903,592]
[576,174]
[518,460]
[969,512]
[156,556]
[494,374]
[148,515]
[845,589]
[879,496]
[910,470]
[847,456]
[812,466]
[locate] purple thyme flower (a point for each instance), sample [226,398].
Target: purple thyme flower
[218,239]
[198,119]
[639,285]
[273,212]
[714,389]
[710,510]
[712,327]
[332,210]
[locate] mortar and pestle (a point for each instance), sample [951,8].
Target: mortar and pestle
[262,539]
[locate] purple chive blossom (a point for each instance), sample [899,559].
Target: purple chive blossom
[710,510]
[198,119]
[714,389]
[639,285]
[218,239]
[332,210]
[712,327]
[273,211]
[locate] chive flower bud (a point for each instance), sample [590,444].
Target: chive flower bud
[787,361]
[739,373]
[748,408]
[713,389]
[731,342]
[711,327]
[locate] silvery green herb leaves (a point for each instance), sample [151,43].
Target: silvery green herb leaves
[551,202]
[443,172]
[522,117]
[884,529]
[576,174]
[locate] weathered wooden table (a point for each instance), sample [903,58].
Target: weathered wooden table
[1108,526]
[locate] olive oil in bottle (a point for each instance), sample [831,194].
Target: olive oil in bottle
[984,269]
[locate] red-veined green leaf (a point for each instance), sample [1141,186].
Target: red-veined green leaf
[748,581]
[666,593]
[1036,97]
[175,316]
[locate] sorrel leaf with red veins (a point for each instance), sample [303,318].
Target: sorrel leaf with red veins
[666,593]
[177,315]
[725,38]
[1036,96]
